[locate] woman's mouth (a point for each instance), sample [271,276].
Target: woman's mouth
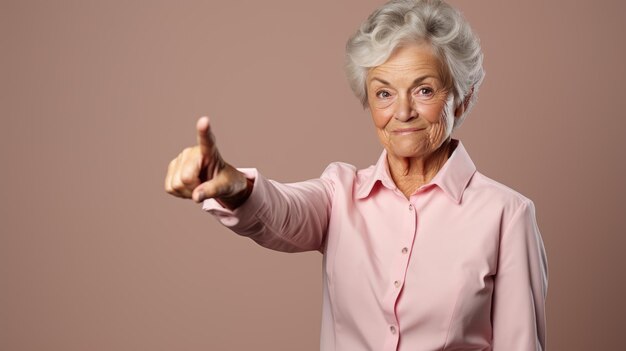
[403,131]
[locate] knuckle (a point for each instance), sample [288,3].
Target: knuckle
[177,185]
[188,177]
[196,151]
[171,166]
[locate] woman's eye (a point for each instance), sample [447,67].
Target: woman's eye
[425,91]
[383,94]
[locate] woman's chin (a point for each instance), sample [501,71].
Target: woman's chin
[405,151]
[406,148]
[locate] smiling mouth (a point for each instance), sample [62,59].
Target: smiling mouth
[406,130]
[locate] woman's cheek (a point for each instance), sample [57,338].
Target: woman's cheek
[436,134]
[430,111]
[381,118]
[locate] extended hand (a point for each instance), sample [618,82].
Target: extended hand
[200,173]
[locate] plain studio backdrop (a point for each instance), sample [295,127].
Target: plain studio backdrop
[98,96]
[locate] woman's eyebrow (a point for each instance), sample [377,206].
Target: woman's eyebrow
[380,80]
[415,82]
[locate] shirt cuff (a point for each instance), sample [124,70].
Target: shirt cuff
[248,209]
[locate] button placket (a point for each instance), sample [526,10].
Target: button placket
[398,275]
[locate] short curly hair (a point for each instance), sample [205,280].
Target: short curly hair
[399,22]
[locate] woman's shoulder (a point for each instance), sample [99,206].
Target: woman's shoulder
[340,167]
[347,171]
[340,172]
[342,175]
[496,193]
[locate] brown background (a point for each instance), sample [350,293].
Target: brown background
[97,97]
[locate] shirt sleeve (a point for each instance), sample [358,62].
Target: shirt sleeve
[284,217]
[521,282]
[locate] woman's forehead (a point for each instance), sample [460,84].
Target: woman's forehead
[409,60]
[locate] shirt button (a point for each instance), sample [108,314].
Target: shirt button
[397,283]
[405,250]
[410,207]
[392,329]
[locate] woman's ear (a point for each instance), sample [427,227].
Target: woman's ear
[458,112]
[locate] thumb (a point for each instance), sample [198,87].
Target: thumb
[225,184]
[207,190]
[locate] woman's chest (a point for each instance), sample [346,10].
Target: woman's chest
[426,262]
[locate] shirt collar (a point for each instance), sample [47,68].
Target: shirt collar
[452,178]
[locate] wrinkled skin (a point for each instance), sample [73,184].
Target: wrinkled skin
[410,103]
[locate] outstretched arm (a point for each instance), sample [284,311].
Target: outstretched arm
[284,217]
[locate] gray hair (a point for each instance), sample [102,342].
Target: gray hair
[400,22]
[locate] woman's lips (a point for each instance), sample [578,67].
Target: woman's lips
[406,130]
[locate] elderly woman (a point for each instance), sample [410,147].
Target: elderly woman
[421,251]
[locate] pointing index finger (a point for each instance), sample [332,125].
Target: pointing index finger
[206,141]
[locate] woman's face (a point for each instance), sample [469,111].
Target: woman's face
[407,96]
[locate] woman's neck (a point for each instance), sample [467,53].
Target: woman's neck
[409,173]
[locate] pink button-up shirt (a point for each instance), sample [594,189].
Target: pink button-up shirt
[459,266]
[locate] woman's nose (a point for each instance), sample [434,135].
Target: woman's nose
[405,110]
